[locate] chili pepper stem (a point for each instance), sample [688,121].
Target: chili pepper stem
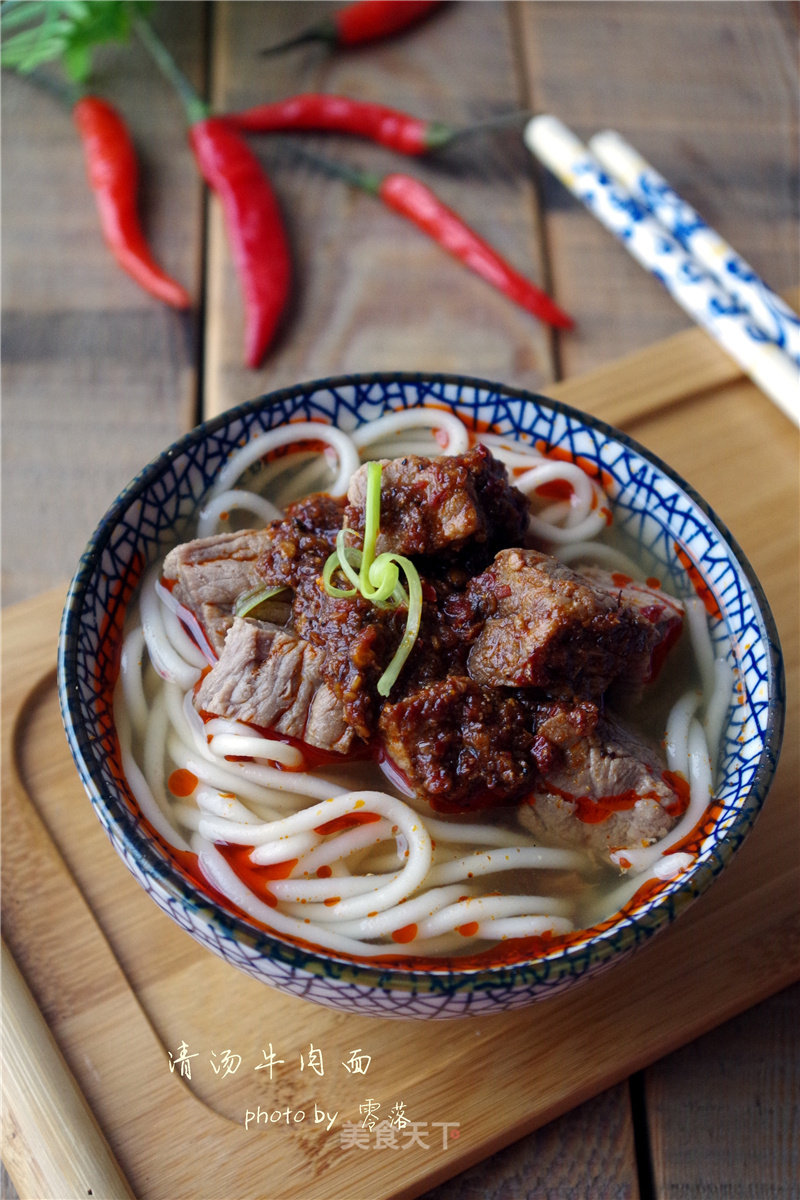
[367,181]
[415,201]
[195,108]
[65,93]
[324,32]
[519,116]
[362,21]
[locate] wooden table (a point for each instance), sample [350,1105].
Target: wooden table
[97,378]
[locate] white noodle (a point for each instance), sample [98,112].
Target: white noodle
[131,678]
[701,643]
[718,704]
[335,849]
[415,418]
[480,835]
[588,527]
[585,495]
[598,554]
[487,862]
[676,742]
[410,912]
[487,908]
[258,748]
[513,454]
[522,927]
[225,804]
[137,782]
[167,661]
[238,463]
[230,501]
[153,751]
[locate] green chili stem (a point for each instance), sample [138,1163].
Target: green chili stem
[195,107]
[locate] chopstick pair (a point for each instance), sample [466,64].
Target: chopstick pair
[702,273]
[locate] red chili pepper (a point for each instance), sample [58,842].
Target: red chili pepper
[254,224]
[252,214]
[416,201]
[339,114]
[113,176]
[363,21]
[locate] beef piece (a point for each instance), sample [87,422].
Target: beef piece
[299,545]
[270,678]
[604,790]
[464,747]
[664,613]
[460,746]
[359,642]
[549,627]
[209,574]
[356,642]
[319,513]
[430,505]
[559,726]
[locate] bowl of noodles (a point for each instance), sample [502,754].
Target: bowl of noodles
[389,824]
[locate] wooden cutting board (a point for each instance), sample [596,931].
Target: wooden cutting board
[122,989]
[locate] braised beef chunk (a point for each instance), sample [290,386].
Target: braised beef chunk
[359,641]
[463,746]
[549,627]
[559,725]
[270,678]
[299,545]
[356,641]
[459,745]
[429,505]
[662,612]
[211,573]
[606,790]
[318,513]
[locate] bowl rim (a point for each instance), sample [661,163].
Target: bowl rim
[364,972]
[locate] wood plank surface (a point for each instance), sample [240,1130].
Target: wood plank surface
[708,94]
[371,291]
[96,378]
[750,1100]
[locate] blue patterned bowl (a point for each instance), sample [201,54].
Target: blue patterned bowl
[654,509]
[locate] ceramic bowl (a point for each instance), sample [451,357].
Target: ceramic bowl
[658,514]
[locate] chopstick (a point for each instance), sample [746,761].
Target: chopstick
[652,244]
[59,1147]
[650,189]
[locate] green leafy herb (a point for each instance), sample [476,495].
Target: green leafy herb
[69,31]
[377,579]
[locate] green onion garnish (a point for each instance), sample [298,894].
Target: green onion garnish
[389,676]
[377,579]
[250,600]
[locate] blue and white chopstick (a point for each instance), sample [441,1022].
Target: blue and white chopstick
[652,191]
[689,283]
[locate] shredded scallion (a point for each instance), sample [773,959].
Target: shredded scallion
[377,579]
[249,601]
[389,676]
